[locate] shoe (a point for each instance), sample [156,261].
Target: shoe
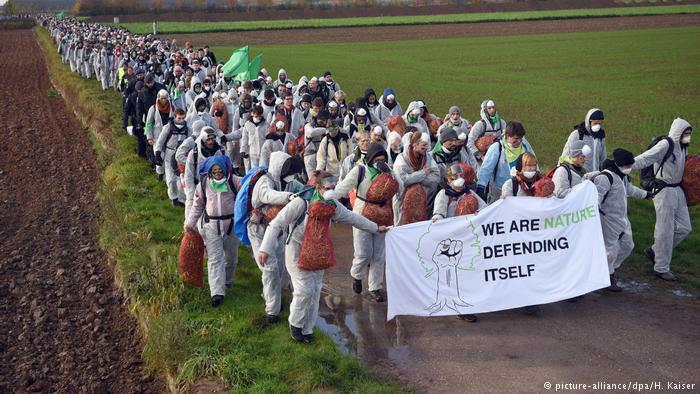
[160,177]
[217,300]
[614,288]
[666,276]
[228,285]
[272,319]
[296,334]
[574,300]
[649,252]
[377,294]
[469,318]
[533,310]
[177,203]
[309,338]
[357,286]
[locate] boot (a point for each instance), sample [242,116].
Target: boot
[469,318]
[177,203]
[667,276]
[613,285]
[217,300]
[309,338]
[649,252]
[377,294]
[357,286]
[160,177]
[272,319]
[296,334]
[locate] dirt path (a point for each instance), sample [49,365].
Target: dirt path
[64,325]
[426,32]
[645,334]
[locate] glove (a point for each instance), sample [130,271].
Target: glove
[159,159]
[293,196]
[435,218]
[245,155]
[649,196]
[224,139]
[481,192]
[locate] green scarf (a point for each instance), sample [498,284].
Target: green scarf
[373,172]
[437,148]
[219,188]
[495,120]
[512,153]
[318,197]
[565,159]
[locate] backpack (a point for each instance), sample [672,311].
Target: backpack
[550,173]
[648,175]
[244,203]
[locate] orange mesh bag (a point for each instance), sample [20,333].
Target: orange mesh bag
[317,247]
[544,187]
[434,125]
[415,204]
[468,173]
[272,212]
[483,143]
[691,180]
[221,121]
[397,124]
[191,259]
[467,204]
[381,190]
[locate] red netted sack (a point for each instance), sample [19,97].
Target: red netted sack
[467,205]
[221,121]
[382,189]
[415,204]
[691,180]
[191,258]
[544,187]
[397,124]
[272,211]
[469,173]
[317,247]
[483,143]
[434,125]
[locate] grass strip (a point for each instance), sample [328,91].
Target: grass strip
[170,27]
[187,340]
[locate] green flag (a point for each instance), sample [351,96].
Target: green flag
[252,71]
[61,14]
[238,62]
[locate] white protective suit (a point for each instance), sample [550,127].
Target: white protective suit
[596,141]
[481,128]
[672,217]
[252,140]
[168,141]
[409,176]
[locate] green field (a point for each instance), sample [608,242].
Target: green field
[642,79]
[202,27]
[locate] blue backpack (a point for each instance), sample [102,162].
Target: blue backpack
[244,203]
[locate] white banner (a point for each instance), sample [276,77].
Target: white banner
[514,253]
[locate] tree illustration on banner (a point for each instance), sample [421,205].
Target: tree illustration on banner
[449,256]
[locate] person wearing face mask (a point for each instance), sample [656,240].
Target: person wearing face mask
[293,115]
[205,146]
[200,111]
[198,71]
[456,183]
[179,96]
[158,116]
[357,121]
[268,105]
[489,124]
[358,153]
[281,78]
[242,113]
[267,192]
[206,89]
[415,166]
[672,216]
[304,106]
[314,133]
[304,218]
[394,148]
[195,90]
[334,112]
[614,187]
[369,253]
[276,140]
[388,106]
[455,120]
[447,152]
[333,150]
[522,184]
[253,138]
[499,161]
[591,133]
[570,170]
[331,85]
[412,117]
[214,201]
[174,133]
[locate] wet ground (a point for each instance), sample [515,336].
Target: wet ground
[645,334]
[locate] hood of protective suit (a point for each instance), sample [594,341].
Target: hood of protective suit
[195,80]
[303,81]
[280,72]
[677,128]
[411,106]
[199,101]
[482,112]
[197,126]
[277,160]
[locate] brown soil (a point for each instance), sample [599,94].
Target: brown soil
[644,334]
[349,12]
[64,327]
[426,32]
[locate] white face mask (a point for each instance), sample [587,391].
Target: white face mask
[595,128]
[685,140]
[257,119]
[288,178]
[626,171]
[328,194]
[446,150]
[219,181]
[458,183]
[529,174]
[200,113]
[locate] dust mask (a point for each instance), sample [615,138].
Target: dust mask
[458,183]
[595,128]
[328,195]
[685,140]
[529,174]
[288,178]
[626,171]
